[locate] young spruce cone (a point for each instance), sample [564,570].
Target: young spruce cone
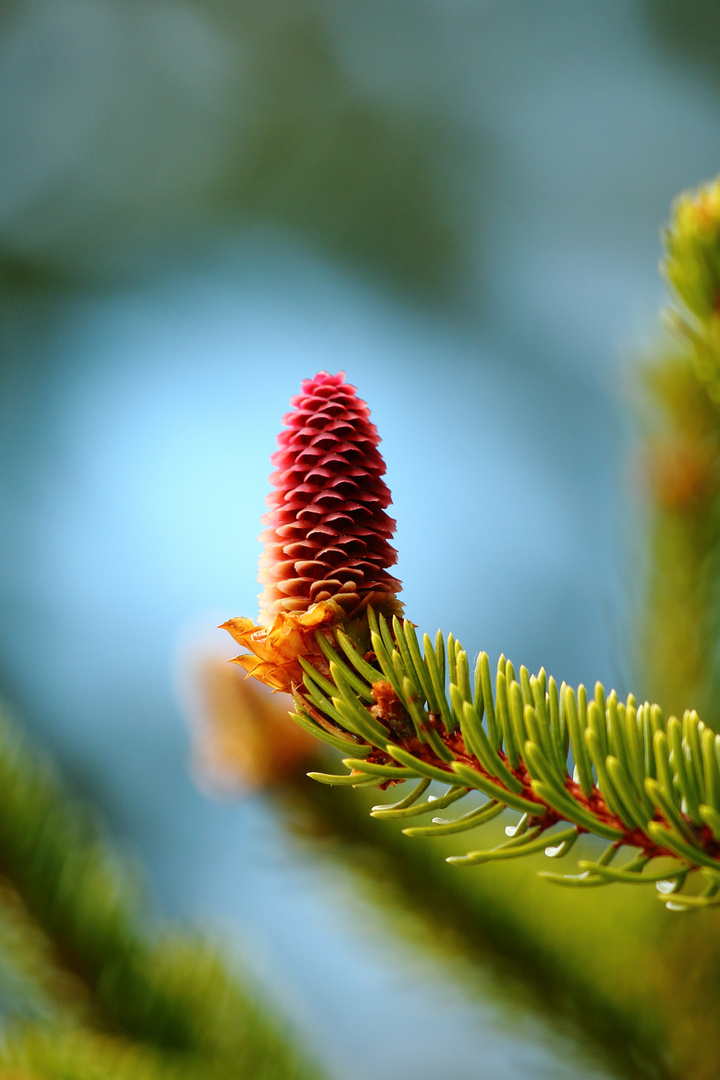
[327,541]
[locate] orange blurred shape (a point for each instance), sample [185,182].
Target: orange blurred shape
[243,737]
[683,474]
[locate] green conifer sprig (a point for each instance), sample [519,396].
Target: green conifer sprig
[567,763]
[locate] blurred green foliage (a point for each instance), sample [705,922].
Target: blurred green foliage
[546,950]
[635,987]
[244,115]
[91,984]
[689,29]
[678,405]
[679,631]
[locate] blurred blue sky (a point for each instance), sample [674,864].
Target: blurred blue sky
[457,204]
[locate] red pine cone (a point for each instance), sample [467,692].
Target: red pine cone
[328,534]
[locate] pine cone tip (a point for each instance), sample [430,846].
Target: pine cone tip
[327,534]
[327,550]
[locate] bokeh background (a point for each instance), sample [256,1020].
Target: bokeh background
[203,203]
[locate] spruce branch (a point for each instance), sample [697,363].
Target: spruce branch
[566,762]
[639,781]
